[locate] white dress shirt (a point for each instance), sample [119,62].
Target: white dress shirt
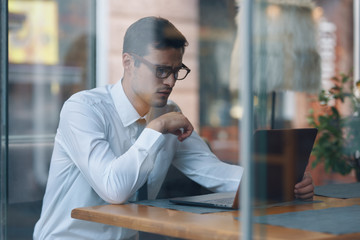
[99,158]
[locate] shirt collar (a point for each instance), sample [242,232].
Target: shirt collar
[124,108]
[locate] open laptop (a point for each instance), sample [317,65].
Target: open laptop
[280,159]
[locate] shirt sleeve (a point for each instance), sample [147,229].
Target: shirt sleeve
[82,133]
[195,160]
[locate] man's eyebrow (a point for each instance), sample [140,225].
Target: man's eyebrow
[166,66]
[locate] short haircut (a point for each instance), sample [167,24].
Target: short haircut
[156,32]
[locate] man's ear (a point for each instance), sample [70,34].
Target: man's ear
[128,62]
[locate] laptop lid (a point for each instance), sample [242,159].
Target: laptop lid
[280,159]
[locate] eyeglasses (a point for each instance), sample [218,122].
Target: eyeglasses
[162,71]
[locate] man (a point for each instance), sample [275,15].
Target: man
[103,154]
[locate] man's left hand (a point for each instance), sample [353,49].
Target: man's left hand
[305,189]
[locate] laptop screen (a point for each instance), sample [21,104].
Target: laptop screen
[280,159]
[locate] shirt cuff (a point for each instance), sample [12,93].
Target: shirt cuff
[150,140]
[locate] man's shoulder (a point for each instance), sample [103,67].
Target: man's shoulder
[93,96]
[171,106]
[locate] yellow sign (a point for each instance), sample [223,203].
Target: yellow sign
[36,40]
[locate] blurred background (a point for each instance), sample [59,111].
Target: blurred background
[303,77]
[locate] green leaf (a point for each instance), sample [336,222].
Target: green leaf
[338,136]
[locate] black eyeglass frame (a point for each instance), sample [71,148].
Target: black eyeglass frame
[156,68]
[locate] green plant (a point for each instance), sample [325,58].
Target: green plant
[338,142]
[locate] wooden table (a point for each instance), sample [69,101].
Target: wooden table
[205,226]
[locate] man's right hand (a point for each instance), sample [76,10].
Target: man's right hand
[173,122]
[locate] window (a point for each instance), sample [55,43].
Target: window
[51,48]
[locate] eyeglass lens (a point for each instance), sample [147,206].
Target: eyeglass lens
[163,72]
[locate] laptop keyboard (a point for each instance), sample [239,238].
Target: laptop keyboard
[221,201]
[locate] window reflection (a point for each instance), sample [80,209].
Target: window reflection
[299,46]
[51,55]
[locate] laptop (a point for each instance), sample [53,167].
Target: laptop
[280,159]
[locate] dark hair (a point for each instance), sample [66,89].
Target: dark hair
[157,32]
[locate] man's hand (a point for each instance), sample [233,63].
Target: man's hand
[305,189]
[173,122]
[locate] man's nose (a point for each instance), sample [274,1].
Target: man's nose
[170,80]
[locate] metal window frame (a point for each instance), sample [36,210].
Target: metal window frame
[102,42]
[246,133]
[3,117]
[356,40]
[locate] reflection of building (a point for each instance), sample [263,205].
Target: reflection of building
[35,40]
[51,56]
[32,124]
[38,86]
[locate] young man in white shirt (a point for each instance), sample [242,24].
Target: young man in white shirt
[103,154]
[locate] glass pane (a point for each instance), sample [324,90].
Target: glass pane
[336,118]
[296,55]
[219,110]
[51,56]
[299,46]
[3,118]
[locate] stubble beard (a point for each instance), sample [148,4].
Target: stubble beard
[159,103]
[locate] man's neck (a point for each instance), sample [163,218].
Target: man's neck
[139,106]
